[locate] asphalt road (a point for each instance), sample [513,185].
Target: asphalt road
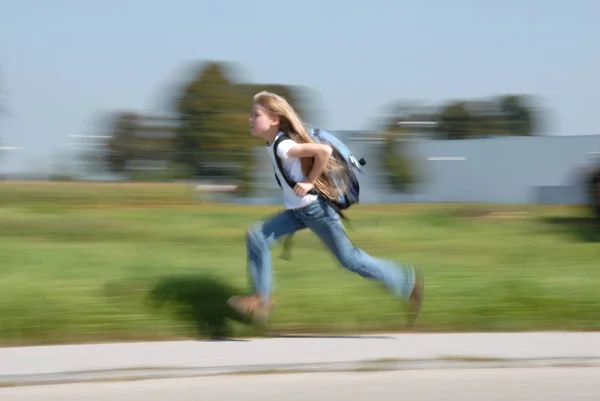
[531,384]
[266,353]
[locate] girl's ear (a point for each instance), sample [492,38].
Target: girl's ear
[275,120]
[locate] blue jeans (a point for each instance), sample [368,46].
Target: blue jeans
[324,221]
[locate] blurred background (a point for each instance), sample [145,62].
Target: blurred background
[157,92]
[466,112]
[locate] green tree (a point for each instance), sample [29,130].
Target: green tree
[510,115]
[455,121]
[206,109]
[401,171]
[213,138]
[121,145]
[407,119]
[485,118]
[135,141]
[518,115]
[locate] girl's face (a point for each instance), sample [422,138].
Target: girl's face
[261,123]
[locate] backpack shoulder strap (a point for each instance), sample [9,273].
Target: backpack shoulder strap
[287,240]
[288,180]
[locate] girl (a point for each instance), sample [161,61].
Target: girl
[305,162]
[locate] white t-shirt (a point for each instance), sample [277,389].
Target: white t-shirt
[293,169]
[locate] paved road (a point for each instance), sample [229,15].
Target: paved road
[541,384]
[269,352]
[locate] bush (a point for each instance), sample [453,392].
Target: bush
[594,192]
[401,172]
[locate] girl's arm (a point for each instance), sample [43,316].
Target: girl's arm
[319,151]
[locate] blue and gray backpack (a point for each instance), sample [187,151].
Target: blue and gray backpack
[345,178]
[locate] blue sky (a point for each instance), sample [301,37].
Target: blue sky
[64,62]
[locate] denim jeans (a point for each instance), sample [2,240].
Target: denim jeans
[323,220]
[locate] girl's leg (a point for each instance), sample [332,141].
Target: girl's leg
[259,241]
[404,281]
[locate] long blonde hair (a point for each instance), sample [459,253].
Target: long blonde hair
[291,124]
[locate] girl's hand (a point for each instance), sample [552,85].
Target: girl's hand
[302,188]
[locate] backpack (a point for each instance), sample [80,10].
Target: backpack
[344,179]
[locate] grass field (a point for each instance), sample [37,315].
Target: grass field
[92,262]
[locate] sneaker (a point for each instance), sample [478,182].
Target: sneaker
[416,297]
[251,306]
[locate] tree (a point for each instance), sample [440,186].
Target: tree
[407,119]
[401,171]
[134,142]
[205,111]
[518,115]
[509,115]
[121,144]
[593,191]
[485,118]
[209,133]
[213,138]
[454,121]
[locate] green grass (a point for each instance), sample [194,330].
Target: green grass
[85,262]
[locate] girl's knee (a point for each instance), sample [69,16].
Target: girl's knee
[254,234]
[354,262]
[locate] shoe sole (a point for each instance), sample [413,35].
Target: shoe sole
[256,318]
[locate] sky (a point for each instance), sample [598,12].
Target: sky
[63,63]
